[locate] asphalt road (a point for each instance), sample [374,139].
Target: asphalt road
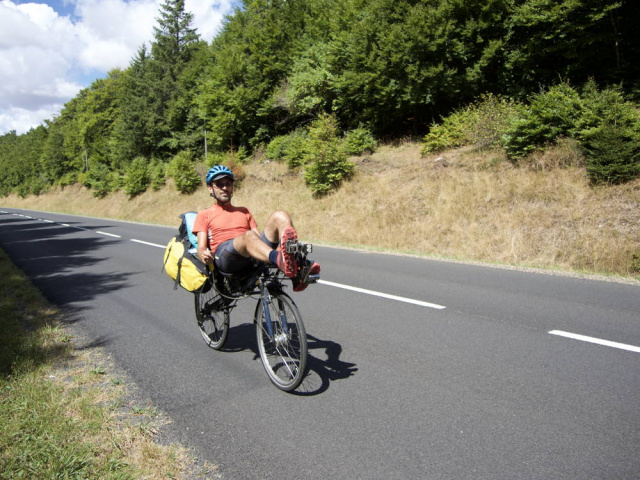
[399,387]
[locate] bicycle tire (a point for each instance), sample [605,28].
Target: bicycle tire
[283,355]
[213,323]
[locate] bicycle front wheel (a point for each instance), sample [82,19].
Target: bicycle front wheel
[212,318]
[283,351]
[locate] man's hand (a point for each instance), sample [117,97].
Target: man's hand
[206,256]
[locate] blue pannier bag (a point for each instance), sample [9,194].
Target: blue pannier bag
[186,229]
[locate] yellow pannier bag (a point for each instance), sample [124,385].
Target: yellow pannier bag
[186,269]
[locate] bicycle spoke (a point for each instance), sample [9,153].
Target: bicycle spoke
[212,321]
[283,354]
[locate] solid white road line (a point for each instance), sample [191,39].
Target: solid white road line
[598,341]
[383,295]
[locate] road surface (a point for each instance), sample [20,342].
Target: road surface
[419,369]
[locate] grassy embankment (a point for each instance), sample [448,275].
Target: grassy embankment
[63,413]
[462,204]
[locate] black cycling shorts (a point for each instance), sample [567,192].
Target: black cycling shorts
[228,260]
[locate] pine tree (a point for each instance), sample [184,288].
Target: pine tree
[174,38]
[150,124]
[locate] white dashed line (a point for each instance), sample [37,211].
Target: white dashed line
[108,234]
[383,295]
[599,341]
[148,243]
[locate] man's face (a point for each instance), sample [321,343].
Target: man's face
[222,188]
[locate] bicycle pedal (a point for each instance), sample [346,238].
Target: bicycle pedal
[295,246]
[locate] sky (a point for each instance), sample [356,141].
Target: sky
[50,50]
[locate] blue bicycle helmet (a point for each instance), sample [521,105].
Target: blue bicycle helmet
[218,171]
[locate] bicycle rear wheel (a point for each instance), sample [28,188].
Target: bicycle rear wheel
[284,352]
[212,318]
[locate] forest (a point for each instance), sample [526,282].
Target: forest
[311,82]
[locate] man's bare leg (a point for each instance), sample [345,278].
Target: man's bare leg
[276,224]
[251,245]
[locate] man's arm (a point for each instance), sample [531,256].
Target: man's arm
[203,248]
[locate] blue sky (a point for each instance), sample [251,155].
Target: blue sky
[50,50]
[64,8]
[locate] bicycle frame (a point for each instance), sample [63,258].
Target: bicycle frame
[280,331]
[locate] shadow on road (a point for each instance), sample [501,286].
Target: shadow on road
[321,372]
[61,264]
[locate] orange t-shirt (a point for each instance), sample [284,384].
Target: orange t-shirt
[223,223]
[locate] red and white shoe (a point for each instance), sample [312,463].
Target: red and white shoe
[299,286]
[287,261]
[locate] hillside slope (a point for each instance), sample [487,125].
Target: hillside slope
[462,204]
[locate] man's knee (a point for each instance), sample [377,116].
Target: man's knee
[240,243]
[281,218]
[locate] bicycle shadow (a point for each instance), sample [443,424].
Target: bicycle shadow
[323,372]
[320,372]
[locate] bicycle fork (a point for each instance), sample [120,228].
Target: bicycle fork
[267,300]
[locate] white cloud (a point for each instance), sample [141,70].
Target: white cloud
[208,16]
[16,118]
[112,30]
[47,57]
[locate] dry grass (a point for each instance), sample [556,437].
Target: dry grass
[65,412]
[461,204]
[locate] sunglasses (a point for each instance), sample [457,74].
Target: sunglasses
[223,183]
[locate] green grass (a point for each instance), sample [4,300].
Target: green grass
[61,415]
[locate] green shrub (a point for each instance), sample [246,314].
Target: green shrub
[607,106]
[291,148]
[242,155]
[359,141]
[115,181]
[551,114]
[276,148]
[492,116]
[83,179]
[214,158]
[326,160]
[158,175]
[137,177]
[68,178]
[482,124]
[183,170]
[609,132]
[606,126]
[448,134]
[39,186]
[23,190]
[297,148]
[613,154]
[97,179]
[230,157]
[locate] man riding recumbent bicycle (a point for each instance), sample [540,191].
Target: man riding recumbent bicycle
[245,262]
